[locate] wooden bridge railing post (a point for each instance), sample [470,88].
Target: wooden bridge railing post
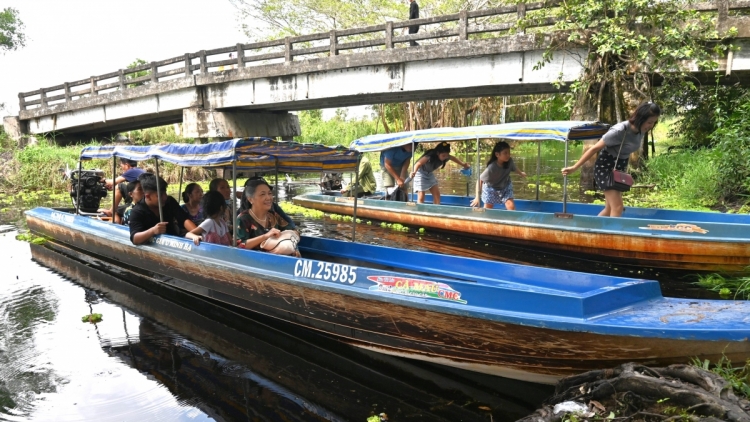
[389,34]
[66,88]
[202,55]
[240,55]
[42,98]
[188,72]
[334,41]
[288,50]
[93,85]
[154,78]
[463,25]
[21,101]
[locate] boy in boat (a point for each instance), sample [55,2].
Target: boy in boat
[130,173]
[144,218]
[367,183]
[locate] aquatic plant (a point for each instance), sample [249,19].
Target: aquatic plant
[92,318]
[31,238]
[726,285]
[738,377]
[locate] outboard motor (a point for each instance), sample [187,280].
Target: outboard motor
[331,181]
[92,189]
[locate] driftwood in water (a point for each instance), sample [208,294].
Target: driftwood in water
[638,393]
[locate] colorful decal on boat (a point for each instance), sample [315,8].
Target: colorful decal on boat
[174,243]
[413,287]
[680,227]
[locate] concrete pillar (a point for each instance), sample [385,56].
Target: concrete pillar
[14,127]
[199,123]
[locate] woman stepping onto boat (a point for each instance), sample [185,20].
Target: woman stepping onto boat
[614,151]
[494,183]
[423,173]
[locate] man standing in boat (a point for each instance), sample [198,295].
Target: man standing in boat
[145,222]
[395,165]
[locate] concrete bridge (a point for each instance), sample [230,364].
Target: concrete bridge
[249,89]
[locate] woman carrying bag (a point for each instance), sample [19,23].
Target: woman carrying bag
[614,150]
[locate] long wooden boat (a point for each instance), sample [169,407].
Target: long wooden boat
[515,321]
[646,237]
[658,238]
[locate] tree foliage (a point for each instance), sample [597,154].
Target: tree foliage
[11,30]
[632,45]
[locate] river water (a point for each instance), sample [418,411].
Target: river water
[161,354]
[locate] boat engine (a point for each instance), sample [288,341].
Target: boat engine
[92,189]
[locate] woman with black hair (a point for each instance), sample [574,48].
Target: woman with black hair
[614,151]
[424,178]
[494,183]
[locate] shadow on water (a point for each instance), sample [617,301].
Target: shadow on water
[163,354]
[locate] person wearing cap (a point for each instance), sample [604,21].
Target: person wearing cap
[423,173]
[130,173]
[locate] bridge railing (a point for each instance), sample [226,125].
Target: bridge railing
[498,21]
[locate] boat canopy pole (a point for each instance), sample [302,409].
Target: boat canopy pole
[413,152]
[78,192]
[114,186]
[179,191]
[565,181]
[538,167]
[234,203]
[276,182]
[355,190]
[478,170]
[158,191]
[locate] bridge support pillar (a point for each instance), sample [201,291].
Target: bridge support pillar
[199,123]
[15,128]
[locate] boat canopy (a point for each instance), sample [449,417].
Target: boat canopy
[254,154]
[519,131]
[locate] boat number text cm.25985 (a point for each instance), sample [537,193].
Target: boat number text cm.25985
[325,271]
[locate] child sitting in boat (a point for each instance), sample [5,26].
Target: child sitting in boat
[192,198]
[136,194]
[494,183]
[214,228]
[145,222]
[222,186]
[424,178]
[259,222]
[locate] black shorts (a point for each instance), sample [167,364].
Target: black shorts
[604,165]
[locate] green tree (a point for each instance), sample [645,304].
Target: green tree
[134,75]
[11,30]
[631,46]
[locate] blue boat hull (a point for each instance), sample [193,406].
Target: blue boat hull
[515,321]
[645,237]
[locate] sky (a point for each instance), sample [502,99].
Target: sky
[68,40]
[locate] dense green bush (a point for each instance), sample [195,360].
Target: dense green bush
[732,140]
[336,131]
[687,179]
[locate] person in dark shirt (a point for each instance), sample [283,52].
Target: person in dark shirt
[130,173]
[413,14]
[144,218]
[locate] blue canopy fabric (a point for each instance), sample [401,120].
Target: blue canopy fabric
[519,131]
[255,154]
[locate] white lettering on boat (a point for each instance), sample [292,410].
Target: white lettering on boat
[325,271]
[680,227]
[415,287]
[62,216]
[174,243]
